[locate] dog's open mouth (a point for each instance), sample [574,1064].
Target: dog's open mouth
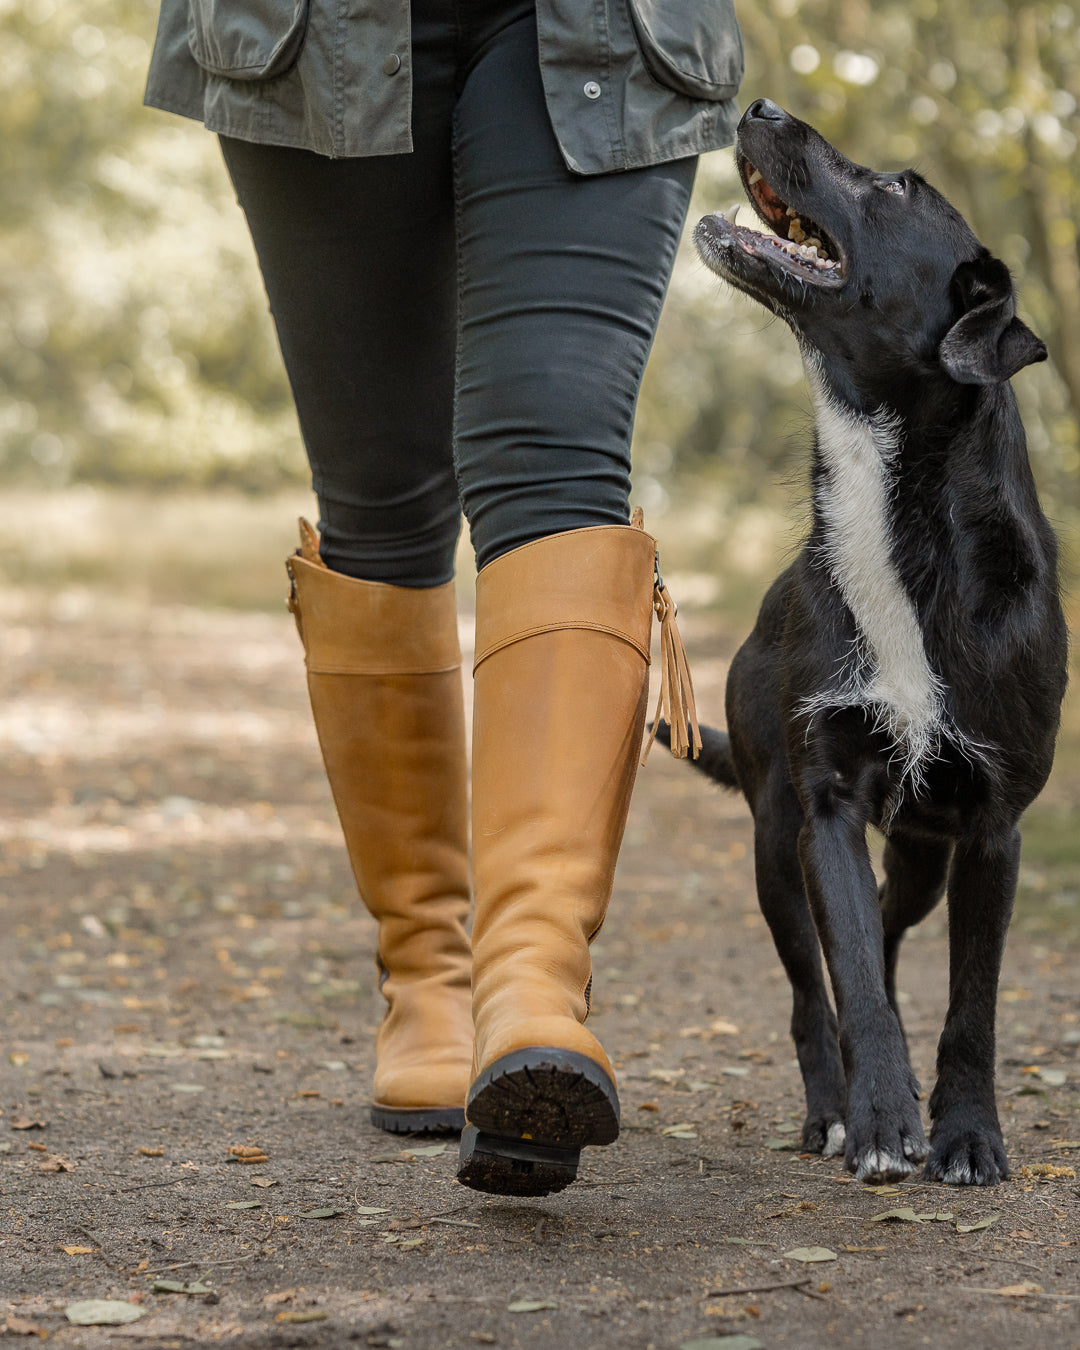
[793,243]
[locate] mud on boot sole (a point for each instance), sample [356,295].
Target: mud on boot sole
[530,1114]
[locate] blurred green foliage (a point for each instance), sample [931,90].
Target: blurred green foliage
[134,340]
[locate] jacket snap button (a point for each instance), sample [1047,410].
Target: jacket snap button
[391,65]
[593,90]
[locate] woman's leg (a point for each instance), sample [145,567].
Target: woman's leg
[561,283]
[358,258]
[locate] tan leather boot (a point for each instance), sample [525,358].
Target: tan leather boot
[561,680]
[383,671]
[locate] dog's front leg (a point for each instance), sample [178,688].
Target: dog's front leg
[884,1133]
[965,1136]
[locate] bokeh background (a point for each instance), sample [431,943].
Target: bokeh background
[140,388]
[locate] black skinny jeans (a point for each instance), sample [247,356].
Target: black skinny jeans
[465,326]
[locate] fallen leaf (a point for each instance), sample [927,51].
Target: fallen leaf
[301,1317]
[18,1058]
[331,1065]
[320,1213]
[102,1312]
[263,1181]
[782,1144]
[246,1150]
[19,1326]
[937,1216]
[180,1287]
[25,1123]
[810,1254]
[1019,1290]
[79,1251]
[186,1087]
[55,1163]
[372,1209]
[740,1342]
[846,1247]
[244,1204]
[38,1148]
[528,1305]
[977,1226]
[1053,1077]
[152,1152]
[429,1151]
[649,1106]
[1048,1170]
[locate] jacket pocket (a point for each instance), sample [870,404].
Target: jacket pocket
[690,46]
[247,39]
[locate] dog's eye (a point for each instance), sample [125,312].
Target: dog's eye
[894,185]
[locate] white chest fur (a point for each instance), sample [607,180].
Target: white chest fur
[889,671]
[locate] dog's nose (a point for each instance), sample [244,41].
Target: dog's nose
[764,109]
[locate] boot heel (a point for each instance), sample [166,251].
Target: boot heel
[504,1166]
[530,1114]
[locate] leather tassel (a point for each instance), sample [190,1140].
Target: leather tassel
[676,701]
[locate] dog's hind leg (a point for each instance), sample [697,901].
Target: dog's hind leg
[884,1133]
[965,1136]
[778,819]
[915,872]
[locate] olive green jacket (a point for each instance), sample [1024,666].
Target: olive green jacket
[627,82]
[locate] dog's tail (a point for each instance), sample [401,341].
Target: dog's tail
[714,761]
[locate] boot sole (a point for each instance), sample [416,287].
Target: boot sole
[418,1120]
[530,1114]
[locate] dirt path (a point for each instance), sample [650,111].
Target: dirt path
[185,972]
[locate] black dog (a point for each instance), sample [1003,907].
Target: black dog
[907,670]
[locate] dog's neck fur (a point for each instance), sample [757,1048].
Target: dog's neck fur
[889,671]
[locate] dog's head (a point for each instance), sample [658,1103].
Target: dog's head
[875,272]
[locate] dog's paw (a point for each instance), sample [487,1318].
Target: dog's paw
[885,1146]
[971,1156]
[875,1166]
[824,1135]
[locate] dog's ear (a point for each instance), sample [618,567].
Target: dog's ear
[988,344]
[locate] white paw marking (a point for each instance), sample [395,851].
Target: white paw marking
[882,1165]
[915,1149]
[959,1174]
[834,1140]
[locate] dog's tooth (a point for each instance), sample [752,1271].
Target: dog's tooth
[755,177]
[790,211]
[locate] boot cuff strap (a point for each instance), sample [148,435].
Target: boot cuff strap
[598,578]
[353,627]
